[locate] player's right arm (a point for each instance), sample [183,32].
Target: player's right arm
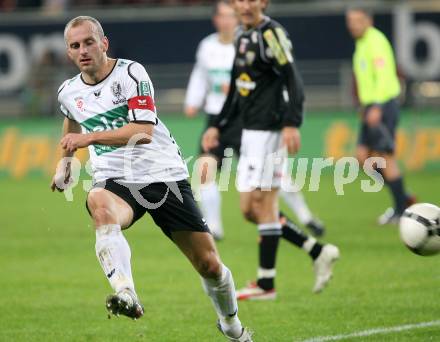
[281,55]
[197,87]
[62,175]
[211,136]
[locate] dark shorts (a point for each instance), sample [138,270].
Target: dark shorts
[230,137]
[381,138]
[162,202]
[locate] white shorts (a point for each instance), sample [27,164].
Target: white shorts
[261,161]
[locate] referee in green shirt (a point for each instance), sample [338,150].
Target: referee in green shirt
[378,88]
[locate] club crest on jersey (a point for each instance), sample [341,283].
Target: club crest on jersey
[254,37]
[243,43]
[250,57]
[80,103]
[117,93]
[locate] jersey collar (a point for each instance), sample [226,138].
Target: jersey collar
[93,84]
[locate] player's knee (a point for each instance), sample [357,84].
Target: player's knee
[102,215]
[209,266]
[248,214]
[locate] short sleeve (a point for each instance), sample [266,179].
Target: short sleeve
[63,108]
[66,112]
[140,95]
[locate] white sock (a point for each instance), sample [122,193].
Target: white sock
[308,244]
[222,294]
[113,253]
[210,203]
[296,202]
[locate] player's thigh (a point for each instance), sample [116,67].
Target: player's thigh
[104,202]
[199,248]
[246,205]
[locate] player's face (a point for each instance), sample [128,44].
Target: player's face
[85,48]
[357,23]
[250,12]
[225,19]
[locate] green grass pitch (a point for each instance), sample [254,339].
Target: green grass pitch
[52,287]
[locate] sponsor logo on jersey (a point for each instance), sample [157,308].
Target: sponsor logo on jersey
[144,88]
[254,37]
[245,84]
[141,102]
[111,120]
[243,43]
[363,64]
[97,93]
[286,44]
[250,57]
[278,51]
[79,101]
[117,93]
[379,62]
[240,62]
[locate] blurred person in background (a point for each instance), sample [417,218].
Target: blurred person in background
[378,89]
[207,88]
[266,94]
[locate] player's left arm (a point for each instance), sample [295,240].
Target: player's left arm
[281,55]
[198,85]
[141,133]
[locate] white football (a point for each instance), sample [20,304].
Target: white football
[420,228]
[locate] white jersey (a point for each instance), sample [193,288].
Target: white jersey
[125,95]
[210,78]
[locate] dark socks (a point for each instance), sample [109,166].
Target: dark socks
[267,258]
[292,233]
[399,195]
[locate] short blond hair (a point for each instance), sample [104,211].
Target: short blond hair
[81,19]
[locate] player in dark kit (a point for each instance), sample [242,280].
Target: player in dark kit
[266,92]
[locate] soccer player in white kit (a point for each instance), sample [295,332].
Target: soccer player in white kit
[207,89]
[109,108]
[266,92]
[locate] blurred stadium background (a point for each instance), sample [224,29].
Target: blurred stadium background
[378,282]
[163,35]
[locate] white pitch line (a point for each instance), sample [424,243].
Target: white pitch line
[374,332]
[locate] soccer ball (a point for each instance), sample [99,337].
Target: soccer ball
[420,228]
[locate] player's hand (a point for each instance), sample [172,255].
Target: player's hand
[210,139]
[62,178]
[73,141]
[291,138]
[374,116]
[225,88]
[191,111]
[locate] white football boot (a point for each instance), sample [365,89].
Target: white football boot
[246,334]
[125,303]
[323,266]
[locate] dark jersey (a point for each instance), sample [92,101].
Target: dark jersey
[266,89]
